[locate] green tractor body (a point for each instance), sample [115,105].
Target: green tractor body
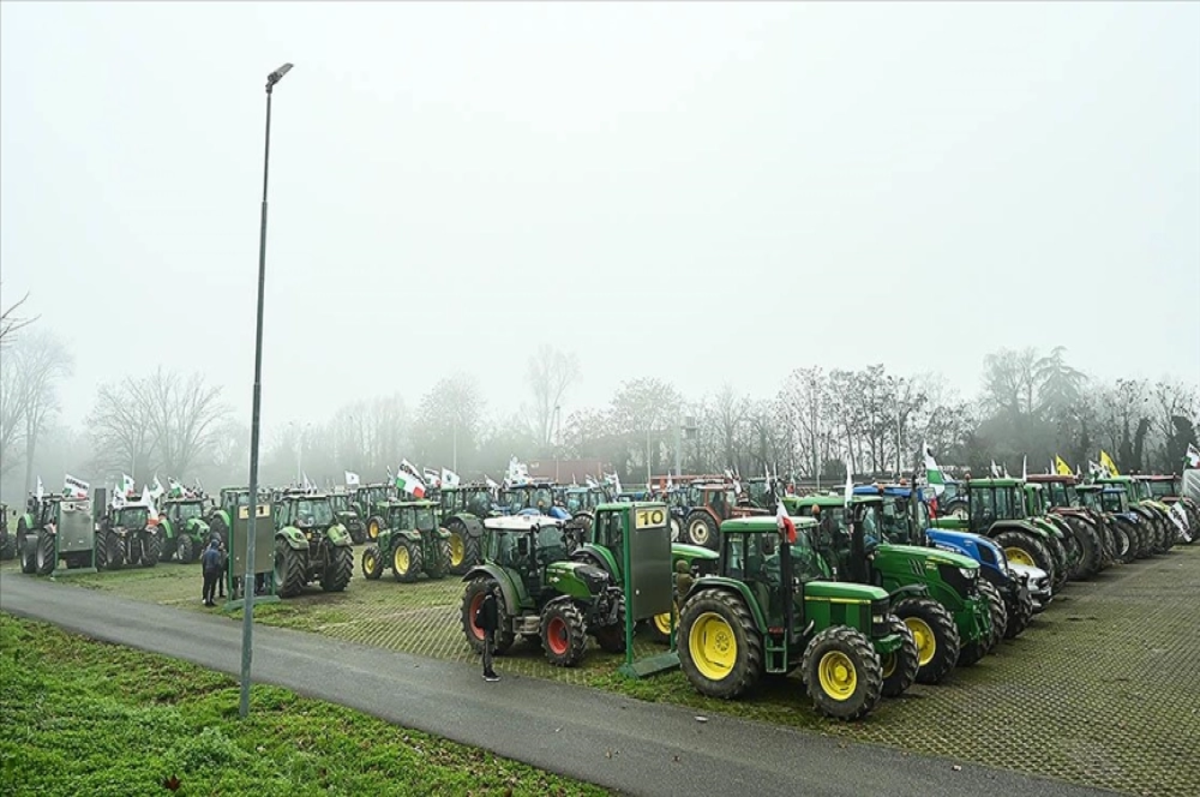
[347,514]
[310,545]
[410,543]
[768,610]
[185,533]
[542,594]
[371,502]
[56,529]
[463,509]
[926,586]
[125,537]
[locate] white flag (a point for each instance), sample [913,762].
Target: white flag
[1193,456]
[450,478]
[491,485]
[995,470]
[431,477]
[41,491]
[1025,469]
[849,493]
[157,490]
[118,498]
[75,488]
[148,500]
[127,484]
[351,479]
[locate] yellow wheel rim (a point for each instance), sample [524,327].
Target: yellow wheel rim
[662,622]
[369,562]
[837,674]
[373,530]
[1020,556]
[889,665]
[923,635]
[713,646]
[457,550]
[400,561]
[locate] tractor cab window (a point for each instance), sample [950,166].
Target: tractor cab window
[610,532]
[339,502]
[542,498]
[401,517]
[1037,503]
[735,556]
[478,503]
[896,519]
[314,513]
[575,502]
[426,521]
[133,517]
[1161,488]
[1141,490]
[188,511]
[504,548]
[551,545]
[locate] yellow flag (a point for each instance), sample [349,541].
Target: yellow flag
[1107,462]
[1062,468]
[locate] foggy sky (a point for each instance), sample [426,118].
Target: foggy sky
[701,193]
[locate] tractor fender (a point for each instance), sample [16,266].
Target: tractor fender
[197,528]
[338,536]
[511,589]
[441,533]
[472,524]
[739,588]
[598,556]
[1016,525]
[908,591]
[294,537]
[167,526]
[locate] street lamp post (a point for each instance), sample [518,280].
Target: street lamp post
[248,582]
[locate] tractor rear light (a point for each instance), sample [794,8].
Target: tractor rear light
[776,630]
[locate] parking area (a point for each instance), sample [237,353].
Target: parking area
[1101,690]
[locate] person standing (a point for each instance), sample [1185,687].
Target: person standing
[224,565]
[211,564]
[487,618]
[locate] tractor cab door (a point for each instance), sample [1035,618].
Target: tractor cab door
[608,531]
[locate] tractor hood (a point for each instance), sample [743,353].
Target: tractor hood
[577,579]
[931,557]
[690,553]
[853,593]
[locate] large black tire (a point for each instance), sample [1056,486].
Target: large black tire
[114,550]
[291,569]
[407,560]
[676,529]
[999,612]
[900,666]
[717,621]
[358,534]
[464,549]
[472,597]
[1026,549]
[8,546]
[100,543]
[1020,613]
[701,529]
[1061,562]
[339,570]
[372,562]
[436,567]
[843,673]
[218,528]
[375,525]
[611,638]
[185,549]
[936,635]
[564,633]
[151,548]
[28,560]
[1126,535]
[46,553]
[1087,537]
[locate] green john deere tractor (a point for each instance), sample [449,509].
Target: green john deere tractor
[185,534]
[769,609]
[55,529]
[602,547]
[543,595]
[8,543]
[938,594]
[126,537]
[347,514]
[371,502]
[410,543]
[463,508]
[310,545]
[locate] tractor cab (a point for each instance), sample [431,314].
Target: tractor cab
[181,510]
[412,516]
[532,498]
[306,511]
[130,516]
[1161,487]
[466,499]
[583,499]
[526,545]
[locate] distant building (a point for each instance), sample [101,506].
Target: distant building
[565,471]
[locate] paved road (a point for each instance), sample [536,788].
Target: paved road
[622,744]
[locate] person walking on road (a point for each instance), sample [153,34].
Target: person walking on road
[487,618]
[211,563]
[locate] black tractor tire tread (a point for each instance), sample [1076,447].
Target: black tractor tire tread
[28,563]
[46,550]
[748,670]
[904,674]
[291,569]
[870,673]
[577,636]
[339,571]
[436,567]
[1090,549]
[416,560]
[376,572]
[151,548]
[1031,543]
[1020,613]
[941,622]
[504,637]
[185,549]
[711,540]
[611,638]
[999,612]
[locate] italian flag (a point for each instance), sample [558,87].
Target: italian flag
[933,474]
[410,484]
[787,529]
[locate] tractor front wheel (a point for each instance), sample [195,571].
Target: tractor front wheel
[8,546]
[291,569]
[338,570]
[676,529]
[101,547]
[28,559]
[151,548]
[702,530]
[114,550]
[1090,549]
[564,633]
[407,559]
[1125,539]
[1026,549]
[660,625]
[720,649]
[1020,613]
[372,562]
[185,549]
[436,567]
[999,612]
[464,549]
[936,636]
[47,553]
[472,599]
[843,673]
[901,665]
[611,638]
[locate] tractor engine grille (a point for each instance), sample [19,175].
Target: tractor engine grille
[595,578]
[963,585]
[879,618]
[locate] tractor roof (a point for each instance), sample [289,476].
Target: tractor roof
[1051,478]
[300,495]
[423,504]
[1005,482]
[521,522]
[621,506]
[1155,477]
[762,524]
[837,500]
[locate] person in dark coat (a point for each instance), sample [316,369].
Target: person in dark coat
[487,619]
[211,563]
[224,566]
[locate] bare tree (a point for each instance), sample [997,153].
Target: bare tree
[121,427]
[10,322]
[29,377]
[551,373]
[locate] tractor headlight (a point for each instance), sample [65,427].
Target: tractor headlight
[878,619]
[968,573]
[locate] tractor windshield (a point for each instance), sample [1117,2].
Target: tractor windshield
[1115,501]
[896,519]
[1036,501]
[989,504]
[310,512]
[426,520]
[1161,488]
[340,502]
[1056,494]
[132,517]
[542,498]
[576,502]
[479,502]
[190,510]
[551,545]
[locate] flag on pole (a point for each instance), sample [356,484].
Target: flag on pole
[849,493]
[451,479]
[410,484]
[590,482]
[118,498]
[175,488]
[491,485]
[41,491]
[669,485]
[1025,468]
[1107,463]
[787,529]
[148,500]
[1095,469]
[157,490]
[933,474]
[1193,456]
[351,479]
[127,485]
[389,472]
[431,477]
[1061,467]
[75,488]
[995,470]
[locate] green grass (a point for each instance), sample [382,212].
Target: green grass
[84,717]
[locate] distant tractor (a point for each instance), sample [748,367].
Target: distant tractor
[347,514]
[463,508]
[126,537]
[8,543]
[371,502]
[411,543]
[310,545]
[55,529]
[185,534]
[708,506]
[543,595]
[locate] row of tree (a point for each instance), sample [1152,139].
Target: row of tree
[817,424]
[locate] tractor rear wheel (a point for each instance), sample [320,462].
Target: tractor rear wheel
[720,648]
[8,546]
[1125,539]
[47,553]
[660,625]
[291,569]
[185,549]
[1088,540]
[611,638]
[101,546]
[407,559]
[372,562]
[114,550]
[564,633]
[999,612]
[843,673]
[702,530]
[899,666]
[472,599]
[464,549]
[28,560]
[374,526]
[936,635]
[436,567]
[151,548]
[676,529]
[1020,613]
[1026,549]
[338,570]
